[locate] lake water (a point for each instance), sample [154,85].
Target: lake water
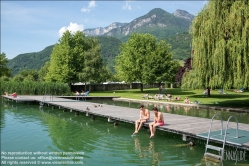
[34,136]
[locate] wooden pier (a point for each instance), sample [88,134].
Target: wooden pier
[185,125]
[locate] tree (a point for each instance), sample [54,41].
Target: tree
[160,66]
[182,69]
[93,63]
[27,75]
[173,69]
[220,43]
[62,63]
[74,54]
[43,71]
[144,59]
[106,74]
[75,58]
[18,78]
[5,71]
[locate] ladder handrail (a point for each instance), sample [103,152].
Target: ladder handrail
[210,127]
[225,134]
[237,131]
[44,98]
[51,97]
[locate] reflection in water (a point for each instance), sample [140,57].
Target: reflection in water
[186,109]
[139,149]
[168,108]
[156,155]
[148,151]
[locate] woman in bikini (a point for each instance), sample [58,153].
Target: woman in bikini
[158,121]
[144,117]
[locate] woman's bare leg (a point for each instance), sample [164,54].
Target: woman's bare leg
[151,129]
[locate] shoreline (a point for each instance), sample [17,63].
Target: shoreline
[182,104]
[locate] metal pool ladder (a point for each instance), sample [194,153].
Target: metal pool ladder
[44,98]
[219,149]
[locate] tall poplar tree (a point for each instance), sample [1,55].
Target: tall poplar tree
[220,45]
[62,66]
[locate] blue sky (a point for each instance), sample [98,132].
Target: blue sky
[30,26]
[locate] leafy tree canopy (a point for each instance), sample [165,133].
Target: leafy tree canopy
[5,71]
[220,43]
[27,75]
[93,63]
[144,59]
[183,69]
[74,54]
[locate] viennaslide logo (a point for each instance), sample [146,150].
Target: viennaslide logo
[234,155]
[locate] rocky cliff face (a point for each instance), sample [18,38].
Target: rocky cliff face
[100,31]
[132,26]
[135,24]
[183,14]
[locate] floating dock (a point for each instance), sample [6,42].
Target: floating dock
[193,127]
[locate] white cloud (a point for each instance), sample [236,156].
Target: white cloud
[73,27]
[91,5]
[127,6]
[85,10]
[138,7]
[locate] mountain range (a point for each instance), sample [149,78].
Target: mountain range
[172,28]
[157,22]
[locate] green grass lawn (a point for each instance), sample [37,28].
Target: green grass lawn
[230,99]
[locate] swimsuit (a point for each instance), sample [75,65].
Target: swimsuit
[146,120]
[161,123]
